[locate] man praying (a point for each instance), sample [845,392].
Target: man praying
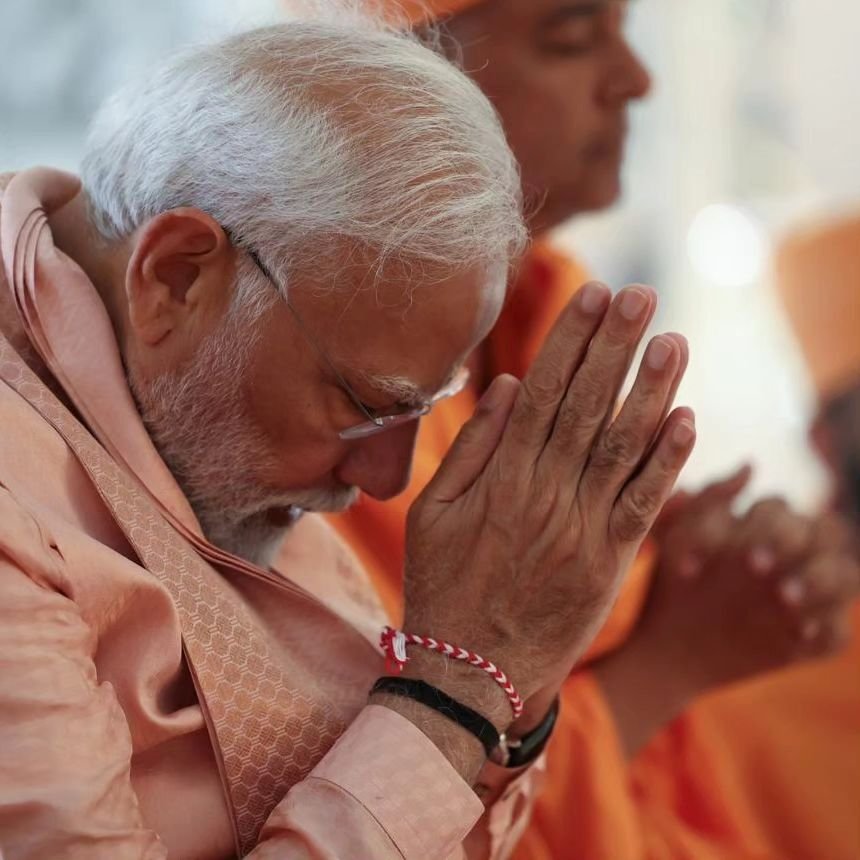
[281,251]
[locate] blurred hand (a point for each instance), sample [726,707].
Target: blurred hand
[733,597]
[518,546]
[738,596]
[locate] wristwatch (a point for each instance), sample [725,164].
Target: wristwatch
[522,751]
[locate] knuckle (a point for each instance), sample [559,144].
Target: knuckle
[636,509]
[589,392]
[618,447]
[543,393]
[618,340]
[543,501]
[571,424]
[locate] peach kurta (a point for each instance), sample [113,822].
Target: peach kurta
[194,706]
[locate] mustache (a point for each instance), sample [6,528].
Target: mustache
[327,500]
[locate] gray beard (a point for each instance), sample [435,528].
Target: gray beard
[196,419]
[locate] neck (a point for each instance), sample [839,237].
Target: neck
[104,265]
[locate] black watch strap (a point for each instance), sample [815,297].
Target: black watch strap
[426,694]
[524,750]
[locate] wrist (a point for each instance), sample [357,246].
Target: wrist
[465,683]
[535,711]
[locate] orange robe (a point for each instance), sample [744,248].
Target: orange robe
[769,769]
[375,530]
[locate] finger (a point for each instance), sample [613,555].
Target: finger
[619,451]
[726,490]
[640,501]
[594,388]
[547,380]
[772,535]
[684,350]
[475,443]
[827,581]
[720,493]
[687,549]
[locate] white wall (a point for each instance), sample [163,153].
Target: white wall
[756,106]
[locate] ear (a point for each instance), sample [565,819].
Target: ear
[180,275]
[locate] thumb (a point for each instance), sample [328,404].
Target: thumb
[476,442]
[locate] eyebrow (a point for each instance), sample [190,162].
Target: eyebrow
[572,11]
[401,388]
[406,391]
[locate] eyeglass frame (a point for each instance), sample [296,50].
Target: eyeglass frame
[375,424]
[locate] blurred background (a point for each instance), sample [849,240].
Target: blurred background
[752,131]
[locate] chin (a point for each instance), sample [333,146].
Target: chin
[597,194]
[601,192]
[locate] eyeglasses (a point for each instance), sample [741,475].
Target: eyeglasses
[375,423]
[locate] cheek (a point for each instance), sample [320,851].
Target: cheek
[300,459]
[296,432]
[548,120]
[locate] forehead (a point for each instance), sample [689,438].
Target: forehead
[405,341]
[514,17]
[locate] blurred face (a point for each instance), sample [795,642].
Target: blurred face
[248,417]
[562,75]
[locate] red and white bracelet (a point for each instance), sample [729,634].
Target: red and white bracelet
[393,643]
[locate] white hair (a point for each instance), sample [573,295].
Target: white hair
[307,136]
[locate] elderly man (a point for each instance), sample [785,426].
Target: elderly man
[562,76]
[283,249]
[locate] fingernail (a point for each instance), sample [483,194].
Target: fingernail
[633,304]
[592,298]
[683,434]
[659,352]
[762,560]
[793,591]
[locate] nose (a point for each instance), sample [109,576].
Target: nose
[627,78]
[380,465]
